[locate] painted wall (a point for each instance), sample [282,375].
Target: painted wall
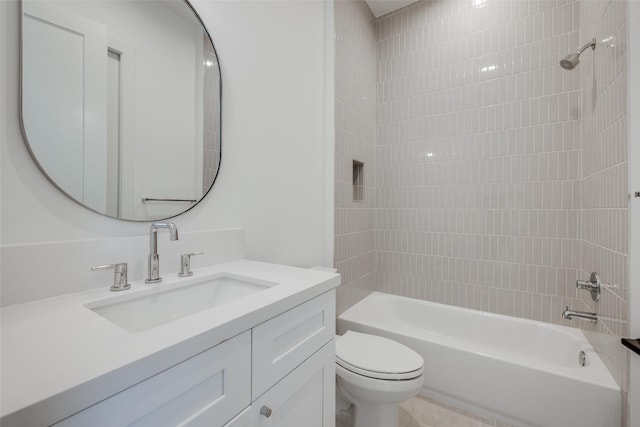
[271,182]
[355,140]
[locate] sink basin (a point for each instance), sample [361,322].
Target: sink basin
[148,309]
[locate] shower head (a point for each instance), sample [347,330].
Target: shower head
[573,59]
[570,61]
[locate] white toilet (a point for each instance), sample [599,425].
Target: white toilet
[375,374]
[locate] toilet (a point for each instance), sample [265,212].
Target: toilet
[373,375]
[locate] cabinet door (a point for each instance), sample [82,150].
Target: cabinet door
[284,342]
[305,397]
[243,419]
[205,390]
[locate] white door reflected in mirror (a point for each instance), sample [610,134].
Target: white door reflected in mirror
[121,103]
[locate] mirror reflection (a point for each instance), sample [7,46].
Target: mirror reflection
[121,103]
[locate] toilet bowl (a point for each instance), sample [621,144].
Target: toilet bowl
[375,374]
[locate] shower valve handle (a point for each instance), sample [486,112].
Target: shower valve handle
[593,285]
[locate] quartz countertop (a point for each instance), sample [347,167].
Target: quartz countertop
[59,357]
[631,344]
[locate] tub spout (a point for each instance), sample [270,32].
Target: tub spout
[570,314]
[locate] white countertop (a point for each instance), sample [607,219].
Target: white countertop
[58,357]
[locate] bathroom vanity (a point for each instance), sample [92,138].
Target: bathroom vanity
[263,358]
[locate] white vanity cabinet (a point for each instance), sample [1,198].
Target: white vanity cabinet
[279,373]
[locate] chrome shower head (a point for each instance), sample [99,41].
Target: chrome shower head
[573,59]
[570,61]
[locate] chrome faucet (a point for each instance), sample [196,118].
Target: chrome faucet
[570,314]
[154,259]
[120,282]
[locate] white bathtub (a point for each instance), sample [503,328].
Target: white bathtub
[518,371]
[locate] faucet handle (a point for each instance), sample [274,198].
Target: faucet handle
[593,285]
[185,264]
[119,275]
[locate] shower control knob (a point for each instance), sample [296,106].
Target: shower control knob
[266,411]
[593,285]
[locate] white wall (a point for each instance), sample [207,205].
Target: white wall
[271,181]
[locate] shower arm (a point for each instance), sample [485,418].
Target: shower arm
[591,44]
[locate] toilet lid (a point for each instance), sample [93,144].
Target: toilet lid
[377,357]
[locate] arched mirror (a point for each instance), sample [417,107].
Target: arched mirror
[121,103]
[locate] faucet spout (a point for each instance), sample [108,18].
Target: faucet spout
[154,259]
[570,314]
[153,234]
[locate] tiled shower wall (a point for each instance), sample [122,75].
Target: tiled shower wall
[355,64]
[603,229]
[478,155]
[500,177]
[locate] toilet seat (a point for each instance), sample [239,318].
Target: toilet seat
[377,357]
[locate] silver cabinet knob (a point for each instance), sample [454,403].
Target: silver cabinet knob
[266,411]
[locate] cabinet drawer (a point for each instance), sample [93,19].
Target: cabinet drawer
[207,389]
[284,342]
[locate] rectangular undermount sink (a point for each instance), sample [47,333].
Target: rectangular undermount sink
[156,307]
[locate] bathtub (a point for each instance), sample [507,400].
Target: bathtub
[518,371]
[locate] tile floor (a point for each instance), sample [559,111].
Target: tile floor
[424,412]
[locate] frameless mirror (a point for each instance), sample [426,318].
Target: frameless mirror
[121,103]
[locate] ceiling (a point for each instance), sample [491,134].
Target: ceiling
[382,7]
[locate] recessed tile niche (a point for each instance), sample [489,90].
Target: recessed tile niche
[358,181]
